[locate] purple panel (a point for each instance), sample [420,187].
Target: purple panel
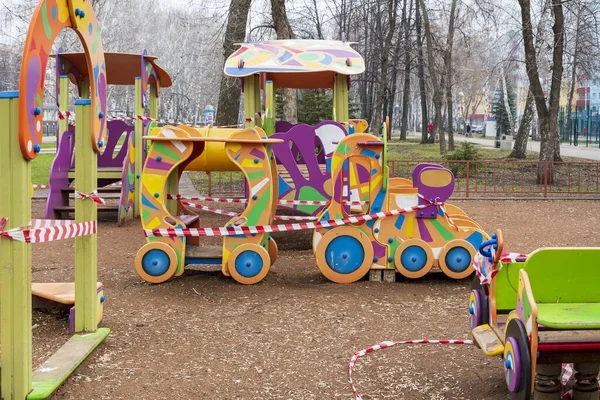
[283,126]
[116,129]
[59,171]
[440,193]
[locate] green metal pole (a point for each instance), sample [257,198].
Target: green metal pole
[269,119]
[86,252]
[15,257]
[63,105]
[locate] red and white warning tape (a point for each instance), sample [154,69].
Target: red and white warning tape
[244,201]
[235,214]
[39,186]
[385,345]
[92,196]
[486,276]
[247,230]
[62,115]
[567,371]
[47,230]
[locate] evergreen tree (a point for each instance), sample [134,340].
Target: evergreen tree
[499,108]
[315,105]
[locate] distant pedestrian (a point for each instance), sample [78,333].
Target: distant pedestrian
[430,127]
[468,130]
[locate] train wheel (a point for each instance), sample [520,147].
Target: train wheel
[413,258]
[273,250]
[249,263]
[517,361]
[344,254]
[156,262]
[478,308]
[456,258]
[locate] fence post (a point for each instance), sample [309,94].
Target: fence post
[545,179]
[209,183]
[467,177]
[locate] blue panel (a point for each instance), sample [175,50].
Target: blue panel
[83,102]
[203,261]
[283,187]
[12,94]
[399,221]
[147,203]
[368,153]
[475,239]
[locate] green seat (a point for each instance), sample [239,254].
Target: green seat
[565,284]
[569,315]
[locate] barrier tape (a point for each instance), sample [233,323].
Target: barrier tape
[567,369]
[92,196]
[248,230]
[385,345]
[245,201]
[485,277]
[47,230]
[39,186]
[68,115]
[235,214]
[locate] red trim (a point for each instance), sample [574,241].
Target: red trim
[568,346]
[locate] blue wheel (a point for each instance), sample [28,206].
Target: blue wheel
[413,258]
[456,258]
[248,263]
[156,262]
[344,254]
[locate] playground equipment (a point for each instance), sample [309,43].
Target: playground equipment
[413,241]
[20,123]
[246,258]
[122,69]
[537,312]
[304,174]
[405,228]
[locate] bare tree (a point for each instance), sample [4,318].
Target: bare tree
[230,91]
[421,72]
[547,113]
[283,30]
[407,68]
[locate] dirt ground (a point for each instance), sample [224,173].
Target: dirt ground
[203,336]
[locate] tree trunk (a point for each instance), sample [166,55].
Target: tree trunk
[520,149]
[385,62]
[548,114]
[438,86]
[407,59]
[448,70]
[230,89]
[283,30]
[421,73]
[391,101]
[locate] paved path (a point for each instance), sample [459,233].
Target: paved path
[588,153]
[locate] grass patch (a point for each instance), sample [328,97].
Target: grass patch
[408,151]
[40,168]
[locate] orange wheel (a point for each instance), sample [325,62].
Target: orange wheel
[456,258]
[249,263]
[344,254]
[156,262]
[273,250]
[413,258]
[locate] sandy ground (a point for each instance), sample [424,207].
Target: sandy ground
[204,336]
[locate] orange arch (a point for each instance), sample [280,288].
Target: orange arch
[49,18]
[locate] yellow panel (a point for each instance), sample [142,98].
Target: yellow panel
[488,341]
[410,225]
[153,224]
[436,178]
[247,163]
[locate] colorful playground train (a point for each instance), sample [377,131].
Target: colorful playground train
[404,226]
[363,222]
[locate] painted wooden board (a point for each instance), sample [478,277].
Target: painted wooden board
[487,340]
[54,371]
[192,251]
[580,336]
[60,292]
[569,315]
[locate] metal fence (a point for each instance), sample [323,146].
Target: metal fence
[473,179]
